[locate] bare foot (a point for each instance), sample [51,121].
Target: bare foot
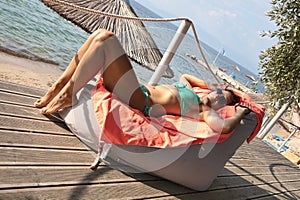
[62,100]
[51,93]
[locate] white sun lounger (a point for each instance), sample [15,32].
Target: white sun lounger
[195,166]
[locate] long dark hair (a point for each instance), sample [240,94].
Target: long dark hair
[235,98]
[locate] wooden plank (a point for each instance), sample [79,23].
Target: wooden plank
[227,182]
[270,157]
[279,188]
[251,192]
[29,139]
[285,195]
[255,157]
[21,111]
[270,154]
[14,177]
[257,145]
[19,93]
[255,148]
[249,180]
[258,148]
[261,162]
[38,156]
[18,88]
[260,159]
[138,190]
[259,170]
[15,123]
[275,157]
[266,152]
[128,190]
[256,151]
[17,99]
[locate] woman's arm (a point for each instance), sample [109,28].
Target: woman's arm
[215,122]
[193,81]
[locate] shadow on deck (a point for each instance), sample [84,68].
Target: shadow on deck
[41,159]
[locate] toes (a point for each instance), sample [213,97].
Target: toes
[37,103]
[54,107]
[44,111]
[49,109]
[40,103]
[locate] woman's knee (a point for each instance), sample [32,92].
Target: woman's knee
[101,35]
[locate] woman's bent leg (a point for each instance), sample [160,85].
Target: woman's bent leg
[68,73]
[106,55]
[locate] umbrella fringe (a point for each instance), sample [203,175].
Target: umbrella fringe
[133,36]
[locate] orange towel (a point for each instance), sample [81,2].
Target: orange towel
[122,124]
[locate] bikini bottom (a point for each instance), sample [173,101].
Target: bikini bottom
[147,108]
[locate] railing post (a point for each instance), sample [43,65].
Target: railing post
[287,139]
[270,125]
[167,57]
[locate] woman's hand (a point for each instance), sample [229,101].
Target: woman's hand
[214,121]
[243,107]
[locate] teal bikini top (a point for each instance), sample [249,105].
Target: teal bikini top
[188,98]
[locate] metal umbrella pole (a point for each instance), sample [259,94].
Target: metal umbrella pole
[172,48]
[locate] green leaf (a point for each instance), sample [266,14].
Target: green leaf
[280,64]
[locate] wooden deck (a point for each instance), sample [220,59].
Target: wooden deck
[41,159]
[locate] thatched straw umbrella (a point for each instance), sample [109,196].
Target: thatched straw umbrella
[134,37]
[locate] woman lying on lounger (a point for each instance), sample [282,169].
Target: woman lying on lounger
[103,53]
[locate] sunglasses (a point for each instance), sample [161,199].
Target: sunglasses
[235,99]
